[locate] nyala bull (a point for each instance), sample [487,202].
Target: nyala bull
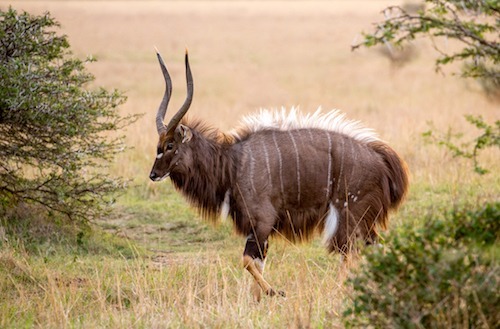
[280,173]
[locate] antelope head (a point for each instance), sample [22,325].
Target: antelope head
[174,136]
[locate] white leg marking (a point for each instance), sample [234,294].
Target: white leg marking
[281,164]
[298,164]
[224,212]
[331,224]
[260,264]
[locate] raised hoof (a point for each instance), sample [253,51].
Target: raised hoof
[272,292]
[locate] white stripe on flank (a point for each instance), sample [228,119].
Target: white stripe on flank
[328,182]
[281,164]
[298,165]
[353,156]
[331,224]
[267,162]
[252,164]
[341,165]
[224,212]
[310,134]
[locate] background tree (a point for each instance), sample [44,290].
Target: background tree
[54,133]
[475,24]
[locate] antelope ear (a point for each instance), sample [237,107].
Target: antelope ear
[183,133]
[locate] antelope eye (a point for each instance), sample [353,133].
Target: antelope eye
[170,146]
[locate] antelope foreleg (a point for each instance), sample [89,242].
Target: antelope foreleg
[254,266]
[253,261]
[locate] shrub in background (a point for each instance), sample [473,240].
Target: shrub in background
[489,138]
[54,132]
[442,275]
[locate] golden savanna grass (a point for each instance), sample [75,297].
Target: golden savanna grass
[244,55]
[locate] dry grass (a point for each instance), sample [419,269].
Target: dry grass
[244,55]
[205,289]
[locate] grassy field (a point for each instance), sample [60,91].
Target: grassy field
[154,263]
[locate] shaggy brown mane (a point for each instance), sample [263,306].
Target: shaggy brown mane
[209,131]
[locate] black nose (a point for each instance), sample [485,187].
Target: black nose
[153,176]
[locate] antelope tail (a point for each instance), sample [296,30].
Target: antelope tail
[396,176]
